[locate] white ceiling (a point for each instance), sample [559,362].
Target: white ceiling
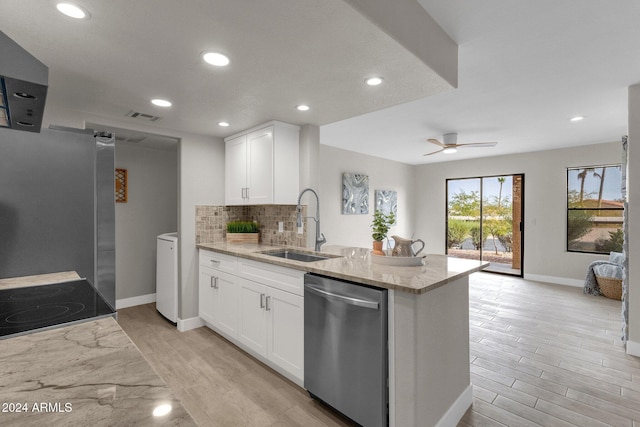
[525,68]
[283,53]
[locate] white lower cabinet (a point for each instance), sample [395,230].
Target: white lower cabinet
[272,324]
[218,300]
[253,316]
[265,319]
[285,331]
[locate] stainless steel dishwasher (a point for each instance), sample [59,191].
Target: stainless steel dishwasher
[345,348]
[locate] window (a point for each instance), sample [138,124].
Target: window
[594,209]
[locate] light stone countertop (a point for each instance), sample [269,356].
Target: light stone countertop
[87,374]
[39,279]
[354,264]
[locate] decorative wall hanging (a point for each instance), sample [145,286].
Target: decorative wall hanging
[387,201]
[355,194]
[121,185]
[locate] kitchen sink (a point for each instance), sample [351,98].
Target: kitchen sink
[297,256]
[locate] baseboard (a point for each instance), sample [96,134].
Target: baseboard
[633,348]
[456,411]
[185,325]
[555,280]
[133,301]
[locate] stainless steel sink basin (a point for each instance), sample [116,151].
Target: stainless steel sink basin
[296,256]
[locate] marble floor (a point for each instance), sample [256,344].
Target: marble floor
[540,355]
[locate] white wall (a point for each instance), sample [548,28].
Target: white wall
[201,174]
[545,256]
[151,209]
[355,230]
[633,188]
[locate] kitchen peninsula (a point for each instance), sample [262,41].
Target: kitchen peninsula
[428,323]
[87,373]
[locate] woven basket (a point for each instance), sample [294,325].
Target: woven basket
[610,288]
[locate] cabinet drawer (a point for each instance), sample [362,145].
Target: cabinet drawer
[283,278]
[218,261]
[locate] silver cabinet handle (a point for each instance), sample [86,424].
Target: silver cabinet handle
[214,261]
[243,193]
[247,192]
[214,282]
[268,305]
[262,300]
[343,298]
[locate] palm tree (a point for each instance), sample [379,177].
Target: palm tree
[501,180]
[582,176]
[601,176]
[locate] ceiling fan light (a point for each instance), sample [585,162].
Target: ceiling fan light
[450,150]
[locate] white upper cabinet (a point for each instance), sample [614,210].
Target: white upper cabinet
[262,165]
[235,167]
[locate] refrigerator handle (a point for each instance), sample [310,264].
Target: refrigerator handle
[342,298]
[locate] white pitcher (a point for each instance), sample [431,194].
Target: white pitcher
[404,247]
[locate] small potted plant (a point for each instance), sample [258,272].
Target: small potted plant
[243,232]
[380,225]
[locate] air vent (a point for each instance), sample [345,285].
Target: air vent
[143,116]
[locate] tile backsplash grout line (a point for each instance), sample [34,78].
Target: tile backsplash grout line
[211,223]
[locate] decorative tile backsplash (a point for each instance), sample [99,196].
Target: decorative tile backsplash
[211,223]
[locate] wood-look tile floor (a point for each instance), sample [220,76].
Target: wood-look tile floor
[540,355]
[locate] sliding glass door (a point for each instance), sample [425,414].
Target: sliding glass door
[484,221]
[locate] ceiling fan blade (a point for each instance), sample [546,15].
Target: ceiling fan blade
[435,152]
[478,144]
[435,141]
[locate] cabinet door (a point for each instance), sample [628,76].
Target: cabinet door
[206,295]
[218,300]
[260,166]
[286,331]
[226,304]
[252,329]
[235,171]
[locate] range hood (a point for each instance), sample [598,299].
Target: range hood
[23,87]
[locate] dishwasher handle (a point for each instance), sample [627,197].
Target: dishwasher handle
[342,298]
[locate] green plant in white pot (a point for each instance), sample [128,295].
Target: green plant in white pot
[381,224]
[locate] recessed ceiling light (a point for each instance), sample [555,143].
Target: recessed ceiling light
[223,124]
[303,107]
[374,81]
[161,410]
[576,118]
[161,102]
[215,58]
[450,150]
[73,10]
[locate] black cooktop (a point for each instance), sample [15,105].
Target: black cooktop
[36,307]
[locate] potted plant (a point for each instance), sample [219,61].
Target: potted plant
[380,226]
[243,232]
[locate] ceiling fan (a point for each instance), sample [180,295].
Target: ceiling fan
[450,144]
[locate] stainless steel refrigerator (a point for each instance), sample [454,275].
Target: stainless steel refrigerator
[57,207]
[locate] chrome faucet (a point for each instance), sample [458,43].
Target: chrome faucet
[320,239]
